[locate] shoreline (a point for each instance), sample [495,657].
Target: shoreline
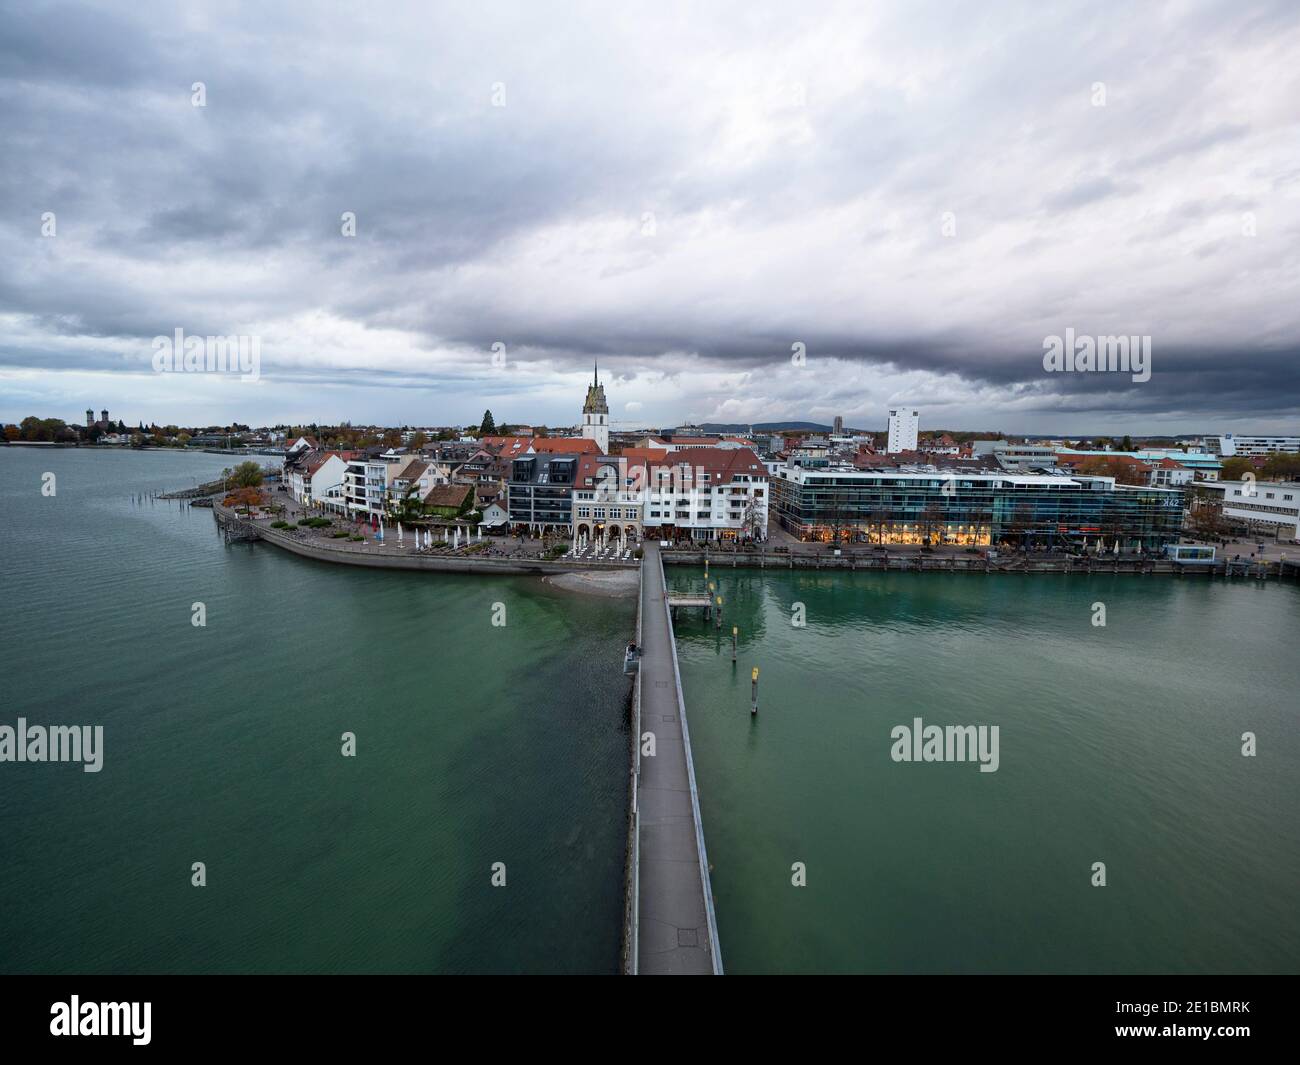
[582,576]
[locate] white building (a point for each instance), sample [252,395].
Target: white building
[1270,503]
[1230,444]
[313,481]
[904,425]
[706,494]
[595,414]
[366,487]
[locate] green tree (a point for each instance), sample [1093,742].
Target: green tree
[1235,468]
[489,425]
[247,475]
[1282,467]
[1127,443]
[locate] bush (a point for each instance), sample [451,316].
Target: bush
[338,535]
[355,537]
[279,525]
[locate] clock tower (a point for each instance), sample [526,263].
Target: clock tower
[595,413]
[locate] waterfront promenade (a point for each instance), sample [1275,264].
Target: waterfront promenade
[676,931]
[488,556]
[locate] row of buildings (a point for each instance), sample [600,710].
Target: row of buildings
[688,486]
[698,489]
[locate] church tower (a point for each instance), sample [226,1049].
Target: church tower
[595,413]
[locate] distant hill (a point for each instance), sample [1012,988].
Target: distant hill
[762,427]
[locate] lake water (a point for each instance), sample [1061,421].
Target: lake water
[479,744]
[1118,744]
[475,745]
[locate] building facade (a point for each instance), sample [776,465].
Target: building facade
[1231,444]
[608,499]
[904,426]
[703,494]
[540,494]
[984,509]
[1273,505]
[366,487]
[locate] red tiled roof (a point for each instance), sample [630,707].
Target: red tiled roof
[566,445]
[718,463]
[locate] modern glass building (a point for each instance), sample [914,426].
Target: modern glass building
[938,507]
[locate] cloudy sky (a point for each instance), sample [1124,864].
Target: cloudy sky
[918,194]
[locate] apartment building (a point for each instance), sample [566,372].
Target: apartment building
[703,494]
[904,426]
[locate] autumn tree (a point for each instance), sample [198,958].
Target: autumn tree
[244,497]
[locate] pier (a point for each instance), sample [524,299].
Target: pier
[672,928]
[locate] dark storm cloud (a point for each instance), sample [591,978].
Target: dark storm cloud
[922,192]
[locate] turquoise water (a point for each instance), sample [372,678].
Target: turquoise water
[479,744]
[475,744]
[1119,745]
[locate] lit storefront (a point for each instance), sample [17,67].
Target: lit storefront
[972,510]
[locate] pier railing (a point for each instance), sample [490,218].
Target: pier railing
[632,900]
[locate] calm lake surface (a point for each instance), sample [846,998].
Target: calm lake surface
[222,744]
[479,745]
[1119,745]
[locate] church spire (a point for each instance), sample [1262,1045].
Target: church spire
[595,373]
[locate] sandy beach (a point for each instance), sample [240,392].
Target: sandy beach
[613,583]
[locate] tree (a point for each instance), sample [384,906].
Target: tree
[418,440]
[1236,468]
[243,497]
[1205,516]
[1282,467]
[1124,472]
[489,426]
[1127,443]
[247,475]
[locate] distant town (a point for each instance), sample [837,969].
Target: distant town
[591,485]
